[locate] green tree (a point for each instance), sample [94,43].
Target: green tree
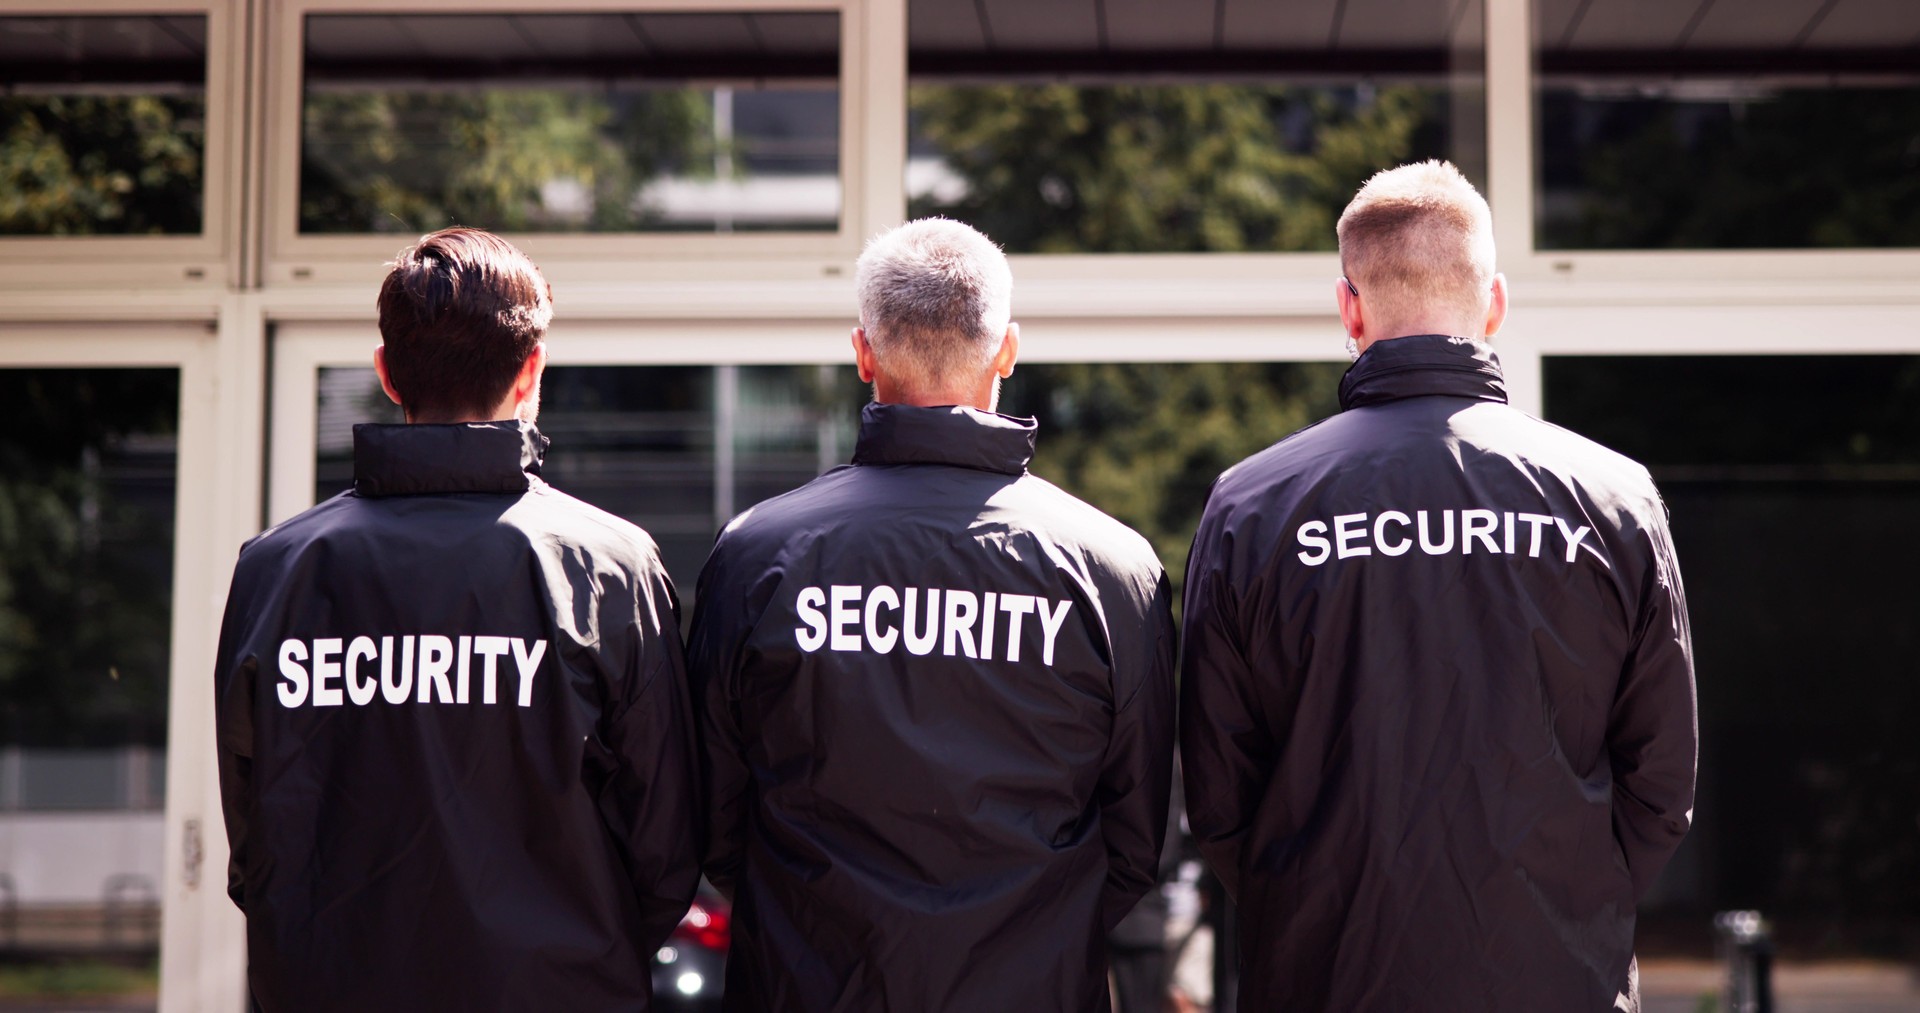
[1842,170]
[415,161]
[85,569]
[1152,168]
[1144,441]
[73,165]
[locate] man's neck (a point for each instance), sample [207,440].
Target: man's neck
[886,393]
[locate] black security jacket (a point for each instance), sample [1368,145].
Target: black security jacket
[1437,700]
[524,845]
[910,817]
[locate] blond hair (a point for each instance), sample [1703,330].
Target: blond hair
[1419,239]
[935,301]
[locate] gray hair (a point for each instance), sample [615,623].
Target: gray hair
[935,300]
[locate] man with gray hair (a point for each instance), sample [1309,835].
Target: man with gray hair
[935,691]
[1437,714]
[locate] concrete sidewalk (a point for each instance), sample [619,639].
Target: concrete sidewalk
[1680,986]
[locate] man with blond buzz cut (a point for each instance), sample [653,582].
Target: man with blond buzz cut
[1437,699]
[935,692]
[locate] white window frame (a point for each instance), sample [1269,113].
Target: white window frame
[194,261]
[294,259]
[203,949]
[1661,275]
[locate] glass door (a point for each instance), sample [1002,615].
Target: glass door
[106,844]
[676,447]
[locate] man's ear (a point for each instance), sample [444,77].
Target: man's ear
[863,357]
[386,381]
[1351,316]
[1497,308]
[1009,352]
[528,379]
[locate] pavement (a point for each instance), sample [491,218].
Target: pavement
[1853,986]
[1666,986]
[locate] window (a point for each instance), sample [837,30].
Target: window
[1782,124]
[571,123]
[1792,490]
[88,472]
[1102,126]
[103,125]
[677,450]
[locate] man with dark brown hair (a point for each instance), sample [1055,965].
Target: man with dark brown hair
[454,735]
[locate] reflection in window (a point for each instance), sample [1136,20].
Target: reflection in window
[102,125]
[692,122]
[677,450]
[680,450]
[1144,441]
[1770,123]
[1084,126]
[1796,539]
[87,482]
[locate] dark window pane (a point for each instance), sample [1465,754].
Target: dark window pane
[87,483]
[791,424]
[102,125]
[1144,441]
[1069,126]
[86,556]
[641,441]
[1766,124]
[689,122]
[1792,483]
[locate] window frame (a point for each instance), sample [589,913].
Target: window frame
[204,260]
[1665,275]
[202,951]
[293,258]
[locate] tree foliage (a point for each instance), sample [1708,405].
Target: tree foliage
[74,165]
[1144,441]
[411,162]
[85,569]
[1152,168]
[1823,168]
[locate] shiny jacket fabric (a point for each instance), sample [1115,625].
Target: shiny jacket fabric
[936,697]
[1437,701]
[489,802]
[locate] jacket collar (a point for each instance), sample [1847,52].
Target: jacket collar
[1422,365]
[427,458]
[960,436]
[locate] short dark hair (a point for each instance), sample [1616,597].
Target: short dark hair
[460,312]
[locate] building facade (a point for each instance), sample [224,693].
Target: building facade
[1708,214]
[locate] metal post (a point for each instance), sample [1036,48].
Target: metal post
[1226,945]
[1746,947]
[726,410]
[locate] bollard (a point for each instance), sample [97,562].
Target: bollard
[1746,949]
[1221,918]
[9,912]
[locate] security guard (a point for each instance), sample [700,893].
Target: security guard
[455,743]
[1437,698]
[935,691]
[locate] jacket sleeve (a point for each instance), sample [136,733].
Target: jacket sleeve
[713,650]
[655,806]
[1226,748]
[1137,775]
[234,677]
[1653,732]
